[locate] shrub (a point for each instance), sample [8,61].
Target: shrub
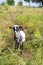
[20,3]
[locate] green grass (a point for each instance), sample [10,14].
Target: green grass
[11,60]
[32,20]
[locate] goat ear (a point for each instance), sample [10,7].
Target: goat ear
[10,27]
[21,28]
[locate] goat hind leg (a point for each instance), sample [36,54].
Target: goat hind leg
[21,47]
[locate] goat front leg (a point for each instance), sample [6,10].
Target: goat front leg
[16,45]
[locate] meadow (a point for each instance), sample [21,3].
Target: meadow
[32,21]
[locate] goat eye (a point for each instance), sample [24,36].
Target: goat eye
[17,28]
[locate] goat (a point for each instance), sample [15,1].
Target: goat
[19,36]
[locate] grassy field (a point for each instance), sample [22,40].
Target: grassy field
[32,20]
